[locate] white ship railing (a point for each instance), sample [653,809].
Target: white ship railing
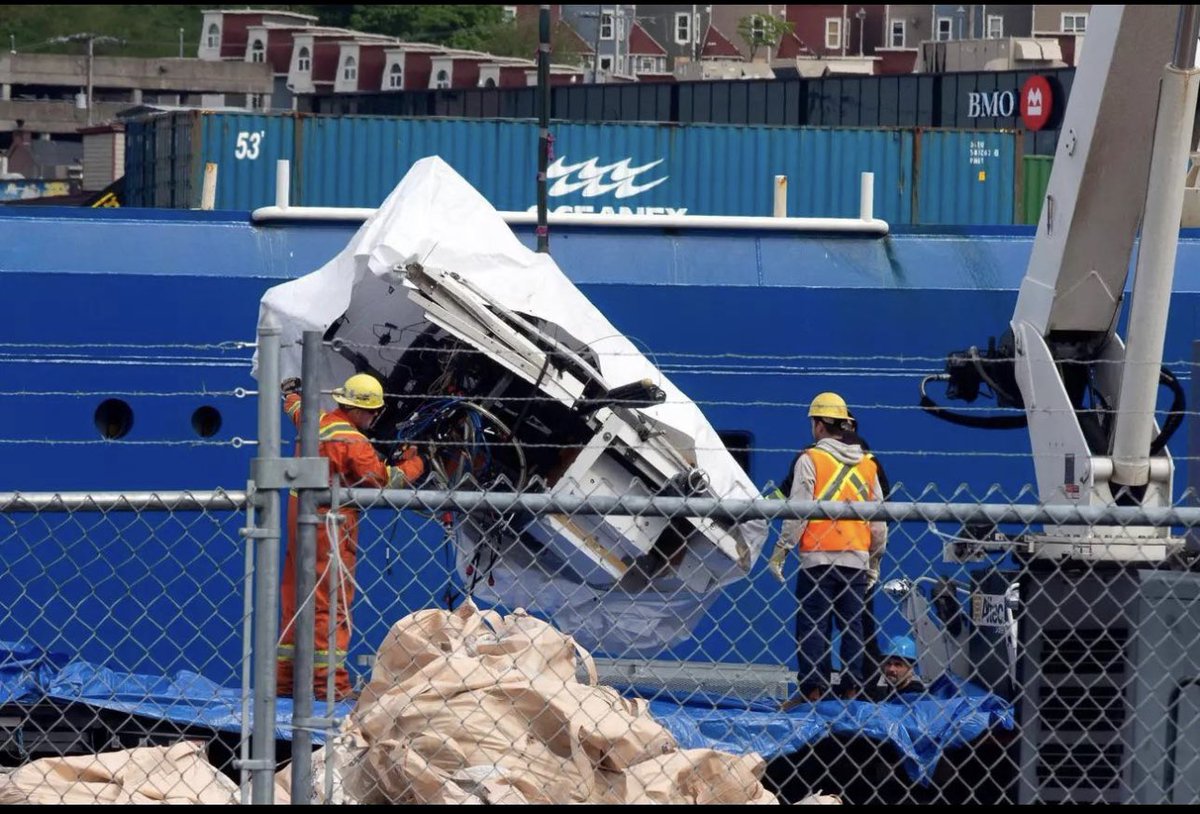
[865,223]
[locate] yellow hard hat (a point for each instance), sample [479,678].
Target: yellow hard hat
[360,390]
[829,405]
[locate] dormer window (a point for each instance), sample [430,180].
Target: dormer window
[214,36]
[396,76]
[304,60]
[258,52]
[350,72]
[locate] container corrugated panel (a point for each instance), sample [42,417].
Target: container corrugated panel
[965,177]
[604,168]
[359,161]
[155,149]
[1035,177]
[137,136]
[639,169]
[245,148]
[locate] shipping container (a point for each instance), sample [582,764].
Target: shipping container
[921,177]
[965,177]
[166,156]
[966,100]
[1035,177]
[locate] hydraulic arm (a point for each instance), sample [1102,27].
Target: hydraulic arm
[1089,398]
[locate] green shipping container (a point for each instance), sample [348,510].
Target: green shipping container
[1035,174]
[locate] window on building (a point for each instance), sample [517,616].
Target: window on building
[606,26]
[396,76]
[443,79]
[944,28]
[833,33]
[350,71]
[258,52]
[304,60]
[897,34]
[606,63]
[214,36]
[489,82]
[510,13]
[995,27]
[1074,23]
[758,27]
[255,101]
[645,64]
[683,28]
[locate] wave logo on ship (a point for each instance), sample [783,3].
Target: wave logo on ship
[591,179]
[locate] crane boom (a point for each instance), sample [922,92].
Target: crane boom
[1089,402]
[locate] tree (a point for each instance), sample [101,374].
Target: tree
[454,26]
[757,30]
[519,38]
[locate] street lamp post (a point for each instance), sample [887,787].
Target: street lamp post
[91,40]
[861,14]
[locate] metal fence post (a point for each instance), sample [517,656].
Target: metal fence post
[306,576]
[266,594]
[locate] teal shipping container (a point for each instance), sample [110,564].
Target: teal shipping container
[926,177]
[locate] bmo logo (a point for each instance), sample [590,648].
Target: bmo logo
[1037,102]
[1035,105]
[991,105]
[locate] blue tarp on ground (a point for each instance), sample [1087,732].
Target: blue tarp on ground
[28,675]
[921,727]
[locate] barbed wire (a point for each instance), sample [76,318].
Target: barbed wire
[876,451]
[224,345]
[235,442]
[798,405]
[784,357]
[236,393]
[662,355]
[240,393]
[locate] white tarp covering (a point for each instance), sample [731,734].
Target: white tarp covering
[435,218]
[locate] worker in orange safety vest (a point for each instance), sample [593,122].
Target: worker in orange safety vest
[355,462]
[836,556]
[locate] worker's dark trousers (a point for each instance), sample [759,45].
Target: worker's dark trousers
[826,592]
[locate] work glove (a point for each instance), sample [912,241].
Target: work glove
[778,558]
[411,463]
[290,385]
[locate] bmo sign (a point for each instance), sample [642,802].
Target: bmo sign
[1035,103]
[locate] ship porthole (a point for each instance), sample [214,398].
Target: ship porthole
[206,421]
[114,419]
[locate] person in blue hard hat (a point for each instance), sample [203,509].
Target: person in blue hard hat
[899,669]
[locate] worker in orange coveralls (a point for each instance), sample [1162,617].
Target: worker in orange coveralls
[354,460]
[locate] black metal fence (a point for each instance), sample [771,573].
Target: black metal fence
[976,100]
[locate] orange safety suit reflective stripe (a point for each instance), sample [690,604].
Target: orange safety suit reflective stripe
[838,481]
[355,462]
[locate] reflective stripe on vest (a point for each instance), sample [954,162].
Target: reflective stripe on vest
[837,481]
[287,652]
[338,429]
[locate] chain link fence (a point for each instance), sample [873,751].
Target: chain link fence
[563,639]
[123,620]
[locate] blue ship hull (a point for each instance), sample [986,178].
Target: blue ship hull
[749,325]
